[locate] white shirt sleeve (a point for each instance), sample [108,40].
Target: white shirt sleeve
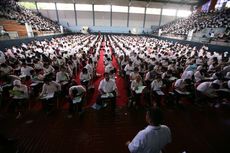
[137,143]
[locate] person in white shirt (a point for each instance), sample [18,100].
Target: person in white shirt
[85,78]
[25,70]
[20,95]
[62,76]
[135,84]
[154,137]
[2,57]
[49,93]
[134,74]
[156,86]
[128,69]
[76,98]
[206,92]
[107,86]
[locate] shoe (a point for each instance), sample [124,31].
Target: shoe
[18,116]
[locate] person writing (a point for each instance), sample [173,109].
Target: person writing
[154,137]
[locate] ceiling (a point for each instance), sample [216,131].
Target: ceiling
[117,2]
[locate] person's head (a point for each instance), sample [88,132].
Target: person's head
[84,71]
[74,92]
[138,78]
[17,83]
[106,75]
[136,69]
[154,116]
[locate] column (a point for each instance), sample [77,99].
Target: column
[144,17]
[160,16]
[75,13]
[36,4]
[56,11]
[93,15]
[111,16]
[128,14]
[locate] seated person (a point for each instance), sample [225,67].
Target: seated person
[156,86]
[206,92]
[48,94]
[85,78]
[135,85]
[19,94]
[182,87]
[108,87]
[134,74]
[76,97]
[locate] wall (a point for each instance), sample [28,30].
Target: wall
[17,42]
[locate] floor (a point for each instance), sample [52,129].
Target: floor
[193,130]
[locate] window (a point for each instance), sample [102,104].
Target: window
[83,7]
[46,6]
[156,11]
[65,6]
[122,9]
[227,4]
[28,5]
[169,12]
[139,10]
[183,13]
[102,8]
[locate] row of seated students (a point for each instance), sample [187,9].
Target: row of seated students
[143,61]
[47,68]
[172,70]
[198,21]
[11,10]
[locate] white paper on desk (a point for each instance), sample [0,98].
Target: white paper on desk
[34,84]
[160,93]
[76,100]
[140,89]
[107,95]
[182,93]
[172,78]
[48,96]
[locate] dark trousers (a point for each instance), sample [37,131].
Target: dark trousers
[73,107]
[112,99]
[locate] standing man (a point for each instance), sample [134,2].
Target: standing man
[154,137]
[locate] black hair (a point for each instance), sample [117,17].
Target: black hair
[155,116]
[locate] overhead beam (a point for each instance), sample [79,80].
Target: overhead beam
[172,2]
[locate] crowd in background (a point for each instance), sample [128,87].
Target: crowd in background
[11,10]
[198,21]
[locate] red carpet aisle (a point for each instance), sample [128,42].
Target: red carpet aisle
[122,98]
[100,70]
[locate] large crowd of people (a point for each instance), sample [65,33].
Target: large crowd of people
[198,21]
[165,70]
[11,10]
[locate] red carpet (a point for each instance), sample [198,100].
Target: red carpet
[122,98]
